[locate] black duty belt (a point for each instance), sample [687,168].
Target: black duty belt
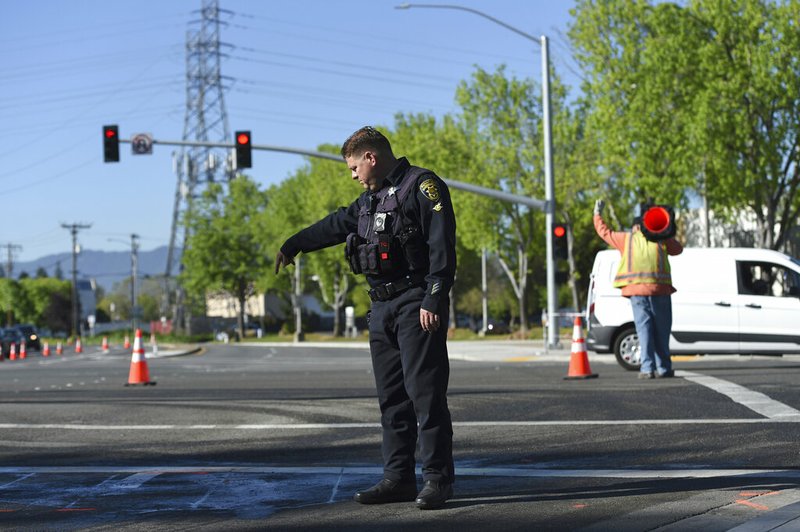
[386,291]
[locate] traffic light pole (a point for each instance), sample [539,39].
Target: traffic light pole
[468,187]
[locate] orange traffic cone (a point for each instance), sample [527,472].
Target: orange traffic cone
[78,347]
[105,344]
[46,349]
[127,344]
[23,352]
[579,360]
[139,373]
[59,348]
[13,354]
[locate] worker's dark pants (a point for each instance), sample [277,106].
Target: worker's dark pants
[411,374]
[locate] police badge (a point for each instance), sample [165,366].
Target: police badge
[380,222]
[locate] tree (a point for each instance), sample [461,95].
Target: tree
[224,250]
[501,122]
[41,273]
[697,99]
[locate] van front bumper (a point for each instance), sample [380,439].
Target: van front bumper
[599,339]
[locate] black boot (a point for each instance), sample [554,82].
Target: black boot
[434,495]
[387,491]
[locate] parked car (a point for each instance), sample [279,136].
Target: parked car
[8,337]
[732,300]
[32,336]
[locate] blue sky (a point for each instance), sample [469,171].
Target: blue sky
[304,72]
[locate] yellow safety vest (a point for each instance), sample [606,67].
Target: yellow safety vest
[643,262]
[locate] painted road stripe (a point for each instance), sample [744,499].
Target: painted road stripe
[339,426]
[755,401]
[153,471]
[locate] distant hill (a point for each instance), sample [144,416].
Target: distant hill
[106,267]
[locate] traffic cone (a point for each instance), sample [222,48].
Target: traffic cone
[23,352]
[139,373]
[13,354]
[579,360]
[59,348]
[46,349]
[78,347]
[105,344]
[127,344]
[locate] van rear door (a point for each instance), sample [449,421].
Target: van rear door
[769,307]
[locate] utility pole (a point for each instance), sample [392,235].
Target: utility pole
[74,228]
[134,272]
[11,248]
[9,269]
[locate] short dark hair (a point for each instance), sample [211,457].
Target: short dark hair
[365,139]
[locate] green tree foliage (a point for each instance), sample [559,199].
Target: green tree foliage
[37,301]
[224,251]
[697,98]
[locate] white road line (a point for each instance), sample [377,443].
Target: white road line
[340,426]
[134,481]
[372,471]
[755,401]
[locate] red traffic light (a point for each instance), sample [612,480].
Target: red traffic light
[559,231]
[111,143]
[244,157]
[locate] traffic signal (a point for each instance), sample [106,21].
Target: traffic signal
[111,144]
[560,241]
[244,150]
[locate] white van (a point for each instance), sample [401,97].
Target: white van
[734,300]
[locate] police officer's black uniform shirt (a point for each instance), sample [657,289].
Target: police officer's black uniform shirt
[428,207]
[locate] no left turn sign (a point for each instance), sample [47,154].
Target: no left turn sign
[142,144]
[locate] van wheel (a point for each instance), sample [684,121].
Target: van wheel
[627,350]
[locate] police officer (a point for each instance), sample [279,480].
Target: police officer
[400,233]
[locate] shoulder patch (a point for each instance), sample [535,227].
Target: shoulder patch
[429,189]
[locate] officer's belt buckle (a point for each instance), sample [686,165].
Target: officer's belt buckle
[384,292]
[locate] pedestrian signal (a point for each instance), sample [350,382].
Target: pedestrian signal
[560,241]
[111,144]
[243,150]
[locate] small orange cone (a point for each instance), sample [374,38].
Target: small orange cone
[23,352]
[59,348]
[127,344]
[579,360]
[78,346]
[46,349]
[13,354]
[139,373]
[105,344]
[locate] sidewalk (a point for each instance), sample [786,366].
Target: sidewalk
[470,350]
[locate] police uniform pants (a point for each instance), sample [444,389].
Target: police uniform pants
[411,375]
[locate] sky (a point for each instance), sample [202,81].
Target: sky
[299,73]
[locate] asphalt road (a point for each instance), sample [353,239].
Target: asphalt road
[275,437]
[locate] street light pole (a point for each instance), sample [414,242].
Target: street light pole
[549,186]
[134,273]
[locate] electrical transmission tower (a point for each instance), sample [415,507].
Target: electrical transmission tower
[205,120]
